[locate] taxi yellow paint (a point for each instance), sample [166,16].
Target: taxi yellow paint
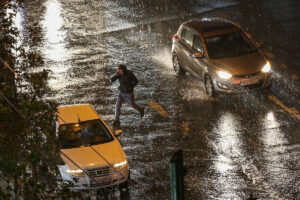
[91,159]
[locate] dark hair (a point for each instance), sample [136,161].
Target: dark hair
[123,67]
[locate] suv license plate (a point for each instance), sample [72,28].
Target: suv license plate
[249,81]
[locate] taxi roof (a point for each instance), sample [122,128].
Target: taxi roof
[71,114]
[212,27]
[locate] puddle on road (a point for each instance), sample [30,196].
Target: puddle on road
[278,153]
[273,135]
[55,49]
[54,46]
[229,136]
[223,164]
[229,147]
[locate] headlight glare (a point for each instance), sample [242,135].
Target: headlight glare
[77,172]
[267,67]
[120,165]
[224,75]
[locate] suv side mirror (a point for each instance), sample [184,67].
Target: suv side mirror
[198,55]
[118,132]
[258,44]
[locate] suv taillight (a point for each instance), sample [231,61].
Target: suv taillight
[248,35]
[175,37]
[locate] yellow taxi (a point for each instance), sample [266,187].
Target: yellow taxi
[91,153]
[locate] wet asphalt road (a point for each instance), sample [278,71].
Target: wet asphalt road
[234,146]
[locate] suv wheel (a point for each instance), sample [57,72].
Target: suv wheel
[209,86]
[176,65]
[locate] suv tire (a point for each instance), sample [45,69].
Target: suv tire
[209,86]
[177,66]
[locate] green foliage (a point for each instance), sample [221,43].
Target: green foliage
[28,144]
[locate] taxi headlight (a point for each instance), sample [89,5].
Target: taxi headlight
[77,172]
[224,75]
[267,67]
[120,165]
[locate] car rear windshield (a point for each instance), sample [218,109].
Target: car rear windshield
[229,45]
[83,134]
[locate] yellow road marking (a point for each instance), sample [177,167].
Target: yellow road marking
[162,112]
[159,109]
[268,54]
[295,77]
[186,128]
[291,111]
[283,66]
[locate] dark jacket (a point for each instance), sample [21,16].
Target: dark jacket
[127,82]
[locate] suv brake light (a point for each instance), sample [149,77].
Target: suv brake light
[175,37]
[248,35]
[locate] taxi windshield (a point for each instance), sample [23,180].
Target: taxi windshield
[83,134]
[229,45]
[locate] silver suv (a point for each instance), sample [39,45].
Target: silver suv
[221,54]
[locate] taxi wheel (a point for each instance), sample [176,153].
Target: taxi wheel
[209,86]
[123,187]
[176,65]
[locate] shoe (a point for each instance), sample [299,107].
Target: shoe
[142,113]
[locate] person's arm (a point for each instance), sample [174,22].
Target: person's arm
[115,77]
[134,80]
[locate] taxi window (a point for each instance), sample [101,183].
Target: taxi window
[197,44]
[83,134]
[187,36]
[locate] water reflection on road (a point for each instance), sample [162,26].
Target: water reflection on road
[273,136]
[54,47]
[228,146]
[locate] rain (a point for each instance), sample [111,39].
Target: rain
[235,146]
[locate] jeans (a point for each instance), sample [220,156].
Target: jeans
[129,97]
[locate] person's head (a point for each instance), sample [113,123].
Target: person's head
[122,69]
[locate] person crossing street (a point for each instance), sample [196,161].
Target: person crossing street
[127,82]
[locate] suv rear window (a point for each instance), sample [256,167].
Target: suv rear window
[187,36]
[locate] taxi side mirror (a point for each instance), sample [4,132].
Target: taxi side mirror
[118,132]
[198,55]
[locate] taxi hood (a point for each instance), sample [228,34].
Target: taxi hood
[88,157]
[241,65]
